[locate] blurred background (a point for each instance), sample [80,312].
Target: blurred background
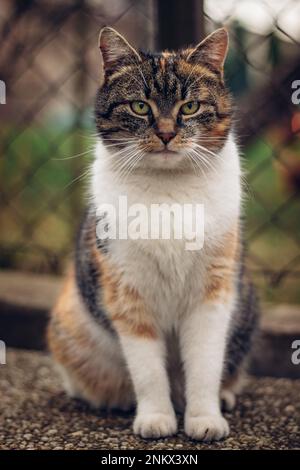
[51,65]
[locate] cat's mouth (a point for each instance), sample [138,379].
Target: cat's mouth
[165,159]
[165,152]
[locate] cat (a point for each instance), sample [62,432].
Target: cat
[148,324]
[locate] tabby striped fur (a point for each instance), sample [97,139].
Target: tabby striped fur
[145,323]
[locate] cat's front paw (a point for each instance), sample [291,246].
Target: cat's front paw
[155,425]
[206,428]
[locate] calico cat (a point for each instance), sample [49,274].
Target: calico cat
[146,323]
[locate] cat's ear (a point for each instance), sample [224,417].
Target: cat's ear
[212,50]
[115,50]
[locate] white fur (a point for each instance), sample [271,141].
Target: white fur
[170,280]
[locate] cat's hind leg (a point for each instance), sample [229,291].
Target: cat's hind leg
[88,356]
[231,387]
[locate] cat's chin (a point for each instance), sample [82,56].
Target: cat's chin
[165,160]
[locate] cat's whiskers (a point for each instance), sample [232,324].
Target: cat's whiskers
[206,150]
[128,165]
[79,178]
[203,159]
[194,164]
[212,138]
[120,142]
[119,138]
[89,151]
[122,155]
[132,164]
[201,152]
[199,164]
[213,144]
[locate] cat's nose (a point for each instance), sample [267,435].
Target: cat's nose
[165,137]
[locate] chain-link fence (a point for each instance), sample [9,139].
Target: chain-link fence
[50,64]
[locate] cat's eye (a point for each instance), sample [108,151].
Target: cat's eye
[191,107]
[140,107]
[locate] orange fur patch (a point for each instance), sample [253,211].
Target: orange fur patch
[222,270]
[220,129]
[123,303]
[73,346]
[163,60]
[66,321]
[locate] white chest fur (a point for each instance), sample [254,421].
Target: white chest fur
[163,270]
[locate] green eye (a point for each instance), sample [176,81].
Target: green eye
[140,107]
[190,108]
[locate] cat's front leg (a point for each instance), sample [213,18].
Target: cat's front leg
[145,355]
[146,362]
[203,336]
[203,339]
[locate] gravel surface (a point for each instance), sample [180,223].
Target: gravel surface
[36,414]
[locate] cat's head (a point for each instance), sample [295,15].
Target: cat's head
[166,110]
